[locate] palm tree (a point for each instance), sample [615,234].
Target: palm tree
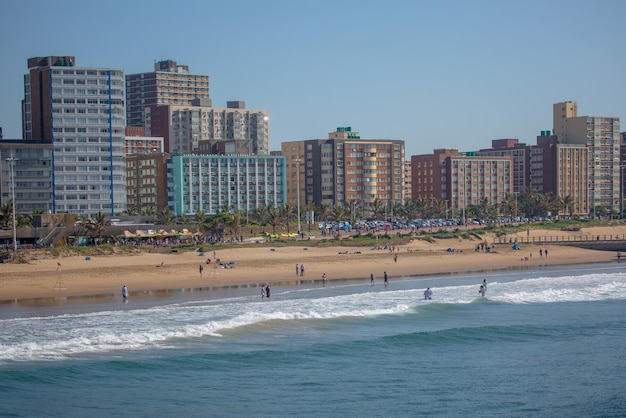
[149,211]
[166,217]
[310,208]
[97,224]
[260,215]
[131,210]
[338,213]
[234,222]
[439,208]
[6,214]
[420,207]
[378,208]
[285,212]
[273,216]
[323,212]
[353,211]
[568,205]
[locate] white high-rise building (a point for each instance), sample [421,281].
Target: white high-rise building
[80,111]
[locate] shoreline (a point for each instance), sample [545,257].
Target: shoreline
[99,277]
[162,292]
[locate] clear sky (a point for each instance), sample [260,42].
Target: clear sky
[436,74]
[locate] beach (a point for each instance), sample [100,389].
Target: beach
[255,265]
[196,346]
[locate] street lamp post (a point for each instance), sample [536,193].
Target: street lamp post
[11,160]
[298,191]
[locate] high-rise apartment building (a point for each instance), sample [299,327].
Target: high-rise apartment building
[210,183]
[27,166]
[521,160]
[561,169]
[408,181]
[601,136]
[346,169]
[461,179]
[80,111]
[168,84]
[293,151]
[184,126]
[146,180]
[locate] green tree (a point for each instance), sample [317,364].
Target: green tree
[97,224]
[286,213]
[166,217]
[377,207]
[273,216]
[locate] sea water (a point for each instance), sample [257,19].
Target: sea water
[544,342]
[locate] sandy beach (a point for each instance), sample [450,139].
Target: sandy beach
[255,265]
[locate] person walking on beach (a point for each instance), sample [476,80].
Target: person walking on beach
[546,252]
[297,269]
[395,258]
[200,269]
[302,269]
[386,280]
[124,292]
[372,279]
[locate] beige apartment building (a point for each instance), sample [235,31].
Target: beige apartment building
[601,136]
[293,151]
[183,127]
[561,169]
[345,169]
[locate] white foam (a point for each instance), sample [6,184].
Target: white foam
[63,336]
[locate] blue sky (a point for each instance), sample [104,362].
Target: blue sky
[435,74]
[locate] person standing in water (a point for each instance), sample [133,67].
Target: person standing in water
[428,294]
[124,292]
[372,279]
[324,280]
[267,291]
[482,290]
[386,280]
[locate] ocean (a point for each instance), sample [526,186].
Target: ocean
[549,341]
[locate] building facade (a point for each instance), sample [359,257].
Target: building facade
[601,136]
[146,183]
[461,179]
[561,169]
[183,127]
[345,170]
[135,142]
[293,151]
[211,183]
[80,111]
[168,84]
[408,180]
[27,166]
[521,159]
